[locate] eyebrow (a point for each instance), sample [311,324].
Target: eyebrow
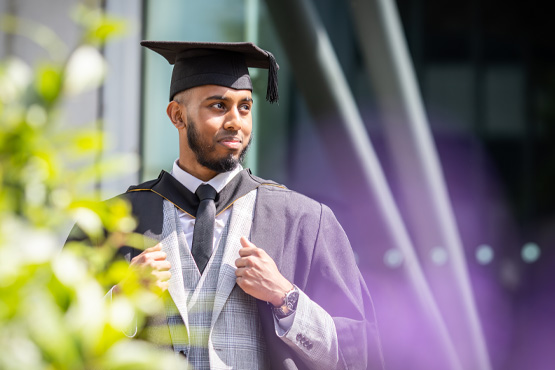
[225,98]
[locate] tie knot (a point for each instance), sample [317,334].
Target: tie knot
[206,191]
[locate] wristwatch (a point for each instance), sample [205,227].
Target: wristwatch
[289,305]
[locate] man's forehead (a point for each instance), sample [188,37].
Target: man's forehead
[217,92]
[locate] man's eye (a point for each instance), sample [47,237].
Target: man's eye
[246,107]
[218,105]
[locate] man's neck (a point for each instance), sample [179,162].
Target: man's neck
[197,170]
[191,182]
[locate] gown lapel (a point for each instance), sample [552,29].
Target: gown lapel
[171,240]
[240,225]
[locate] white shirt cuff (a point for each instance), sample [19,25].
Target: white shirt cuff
[283,325]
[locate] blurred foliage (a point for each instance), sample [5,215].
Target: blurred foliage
[53,309]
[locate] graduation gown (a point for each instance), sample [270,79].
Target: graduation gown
[309,248]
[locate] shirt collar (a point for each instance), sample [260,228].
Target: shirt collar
[192,183]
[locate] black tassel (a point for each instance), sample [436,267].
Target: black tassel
[272,94]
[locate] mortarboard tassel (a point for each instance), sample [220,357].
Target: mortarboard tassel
[272,94]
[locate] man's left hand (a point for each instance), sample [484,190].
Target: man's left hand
[258,275]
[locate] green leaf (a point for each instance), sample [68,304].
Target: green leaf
[48,82]
[105,28]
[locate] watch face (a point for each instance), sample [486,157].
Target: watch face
[292,299]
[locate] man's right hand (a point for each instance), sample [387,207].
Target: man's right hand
[151,269]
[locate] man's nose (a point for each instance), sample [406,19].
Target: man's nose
[233,120]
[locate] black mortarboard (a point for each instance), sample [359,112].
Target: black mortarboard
[216,63]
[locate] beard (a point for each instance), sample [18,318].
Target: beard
[204,150]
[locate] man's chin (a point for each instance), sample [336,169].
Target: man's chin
[221,165]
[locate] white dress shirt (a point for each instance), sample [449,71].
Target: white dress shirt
[192,183]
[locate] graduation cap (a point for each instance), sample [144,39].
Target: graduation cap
[216,63]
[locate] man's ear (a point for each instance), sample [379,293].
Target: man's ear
[176,112]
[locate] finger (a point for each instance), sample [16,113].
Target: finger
[157,247]
[153,260]
[159,265]
[241,262]
[163,285]
[243,272]
[247,251]
[245,243]
[163,265]
[162,275]
[156,255]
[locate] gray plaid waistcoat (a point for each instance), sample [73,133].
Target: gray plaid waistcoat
[211,320]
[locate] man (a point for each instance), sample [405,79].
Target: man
[259,276]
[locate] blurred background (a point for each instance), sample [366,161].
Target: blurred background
[426,126]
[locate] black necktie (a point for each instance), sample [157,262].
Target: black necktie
[203,233]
